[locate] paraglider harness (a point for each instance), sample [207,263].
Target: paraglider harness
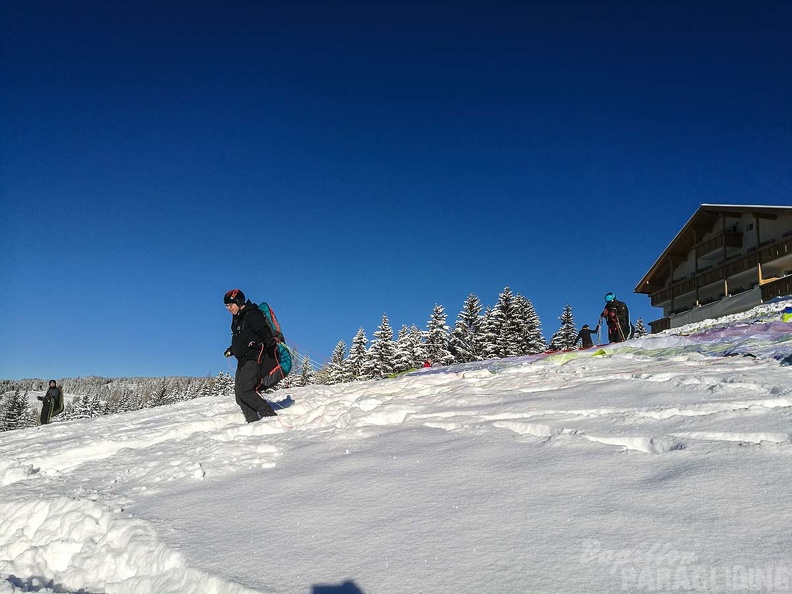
[281,352]
[57,404]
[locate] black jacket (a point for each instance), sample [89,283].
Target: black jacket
[585,335]
[251,337]
[617,317]
[617,310]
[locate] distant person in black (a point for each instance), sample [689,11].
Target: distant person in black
[617,317]
[48,402]
[585,335]
[253,345]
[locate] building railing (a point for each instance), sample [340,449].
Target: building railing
[775,251]
[740,264]
[778,288]
[660,325]
[729,239]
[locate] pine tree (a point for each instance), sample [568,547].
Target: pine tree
[306,372]
[224,385]
[415,345]
[640,329]
[438,337]
[127,401]
[401,356]
[489,334]
[17,412]
[382,352]
[358,355]
[78,408]
[506,327]
[466,343]
[159,397]
[97,406]
[531,339]
[336,370]
[207,387]
[564,338]
[179,392]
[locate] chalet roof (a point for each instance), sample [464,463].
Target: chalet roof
[702,221]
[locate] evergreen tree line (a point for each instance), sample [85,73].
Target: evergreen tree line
[511,328]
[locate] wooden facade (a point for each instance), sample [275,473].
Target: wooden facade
[721,253]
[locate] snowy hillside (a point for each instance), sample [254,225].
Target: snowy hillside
[661,464]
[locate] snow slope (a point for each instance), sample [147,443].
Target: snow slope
[661,464]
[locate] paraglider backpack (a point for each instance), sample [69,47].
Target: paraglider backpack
[623,314]
[621,310]
[57,404]
[282,353]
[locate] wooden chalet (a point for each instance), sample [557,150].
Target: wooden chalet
[726,259]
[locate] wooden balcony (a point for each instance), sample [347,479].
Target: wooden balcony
[660,325]
[661,296]
[777,288]
[739,265]
[686,286]
[732,239]
[775,251]
[711,276]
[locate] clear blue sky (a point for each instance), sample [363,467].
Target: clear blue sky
[344,160]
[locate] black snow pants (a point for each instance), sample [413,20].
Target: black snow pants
[246,384]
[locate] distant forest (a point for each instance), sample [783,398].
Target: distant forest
[88,397]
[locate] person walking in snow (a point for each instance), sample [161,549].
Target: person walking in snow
[617,317]
[585,335]
[253,345]
[48,402]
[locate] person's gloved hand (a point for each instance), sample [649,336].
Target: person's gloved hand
[227,352]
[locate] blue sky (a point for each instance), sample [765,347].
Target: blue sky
[345,160]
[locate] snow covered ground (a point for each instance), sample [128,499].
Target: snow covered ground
[657,465]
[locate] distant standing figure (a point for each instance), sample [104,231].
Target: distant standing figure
[585,335]
[617,317]
[48,402]
[427,363]
[253,345]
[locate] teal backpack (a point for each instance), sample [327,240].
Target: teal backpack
[282,353]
